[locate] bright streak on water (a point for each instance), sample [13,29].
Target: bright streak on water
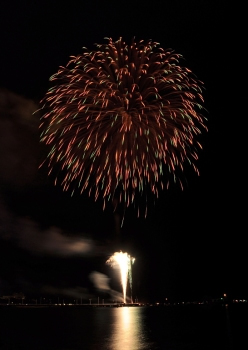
[127,330]
[124,261]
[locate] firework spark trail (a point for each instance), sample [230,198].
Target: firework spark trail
[121,119]
[124,261]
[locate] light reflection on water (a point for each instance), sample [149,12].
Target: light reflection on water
[192,327]
[127,329]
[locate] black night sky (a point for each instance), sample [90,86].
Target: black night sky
[192,243]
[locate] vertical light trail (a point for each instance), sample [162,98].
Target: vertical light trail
[124,261]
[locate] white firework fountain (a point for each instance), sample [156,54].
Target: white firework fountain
[124,261]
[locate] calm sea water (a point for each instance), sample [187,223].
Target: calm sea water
[182,327]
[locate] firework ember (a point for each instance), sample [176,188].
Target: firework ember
[122,119]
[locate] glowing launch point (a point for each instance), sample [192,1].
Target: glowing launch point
[125,261]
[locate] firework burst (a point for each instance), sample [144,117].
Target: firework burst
[124,261]
[121,119]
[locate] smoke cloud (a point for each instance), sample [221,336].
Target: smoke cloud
[19,139]
[26,234]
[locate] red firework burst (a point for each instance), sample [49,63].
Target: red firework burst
[121,118]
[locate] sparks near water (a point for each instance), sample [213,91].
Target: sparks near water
[124,261]
[122,120]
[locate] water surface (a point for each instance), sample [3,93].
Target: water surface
[193,327]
